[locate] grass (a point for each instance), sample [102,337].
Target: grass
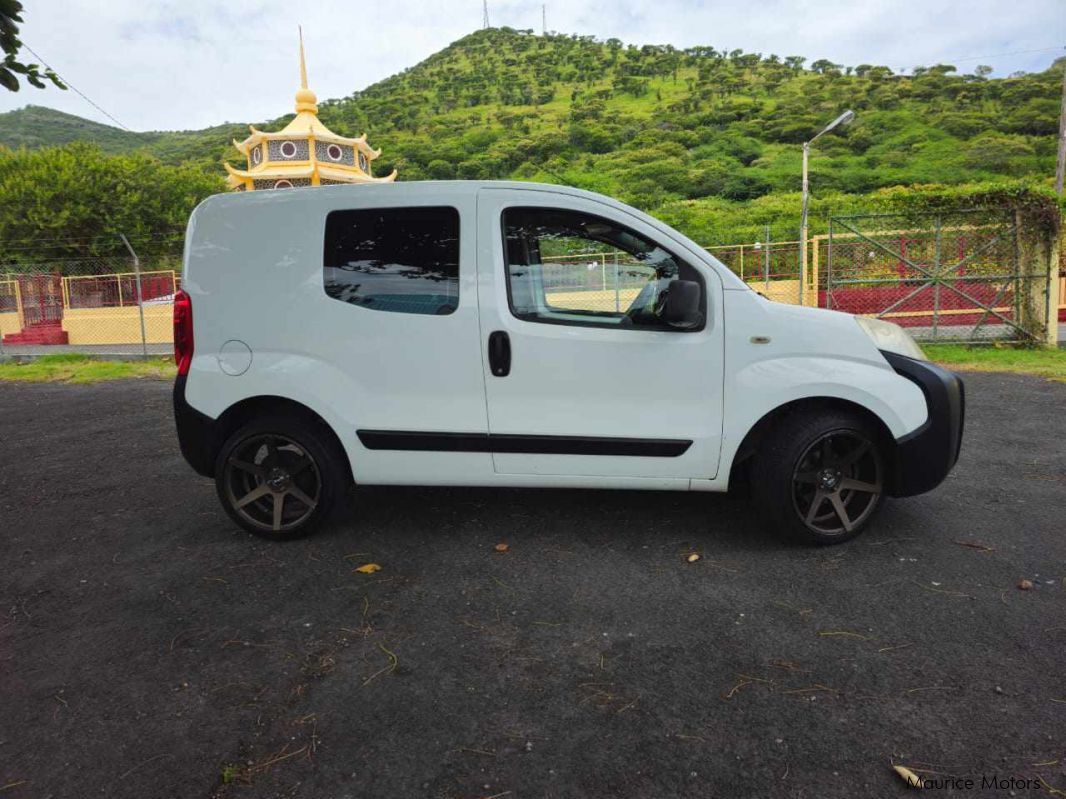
[75,368]
[1049,363]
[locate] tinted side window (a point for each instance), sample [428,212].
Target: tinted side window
[402,260]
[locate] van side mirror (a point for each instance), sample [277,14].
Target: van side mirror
[681,306]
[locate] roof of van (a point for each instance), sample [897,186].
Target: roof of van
[406,191]
[409,188]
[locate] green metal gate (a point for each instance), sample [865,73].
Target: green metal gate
[954,276]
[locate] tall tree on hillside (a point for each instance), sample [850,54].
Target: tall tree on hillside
[10,67]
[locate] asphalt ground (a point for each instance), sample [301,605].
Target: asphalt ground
[149,649]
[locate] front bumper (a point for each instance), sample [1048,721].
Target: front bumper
[925,456]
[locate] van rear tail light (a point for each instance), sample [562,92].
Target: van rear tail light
[183,344]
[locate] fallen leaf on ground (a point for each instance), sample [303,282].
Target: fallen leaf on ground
[693,557]
[502,547]
[975,545]
[912,779]
[1025,585]
[369,568]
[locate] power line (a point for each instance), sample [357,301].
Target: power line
[990,57]
[75,88]
[1004,55]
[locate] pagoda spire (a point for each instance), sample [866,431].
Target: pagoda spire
[305,98]
[303,65]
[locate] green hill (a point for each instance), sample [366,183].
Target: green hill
[676,131]
[655,122]
[36,126]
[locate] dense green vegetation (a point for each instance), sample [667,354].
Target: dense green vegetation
[71,200]
[707,140]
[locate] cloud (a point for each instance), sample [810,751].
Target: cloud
[163,65]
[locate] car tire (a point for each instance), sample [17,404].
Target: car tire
[819,476]
[281,477]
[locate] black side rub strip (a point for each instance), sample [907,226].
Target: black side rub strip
[926,455]
[532,445]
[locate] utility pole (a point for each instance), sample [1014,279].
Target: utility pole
[544,19]
[1060,165]
[485,17]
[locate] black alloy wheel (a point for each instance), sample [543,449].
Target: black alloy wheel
[281,477]
[837,483]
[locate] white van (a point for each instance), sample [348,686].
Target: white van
[517,334]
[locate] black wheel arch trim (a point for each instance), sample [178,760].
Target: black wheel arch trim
[201,437]
[925,456]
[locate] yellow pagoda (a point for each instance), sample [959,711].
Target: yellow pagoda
[304,153]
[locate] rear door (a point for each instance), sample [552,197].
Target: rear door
[590,385]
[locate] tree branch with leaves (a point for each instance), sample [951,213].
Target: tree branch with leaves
[11,67]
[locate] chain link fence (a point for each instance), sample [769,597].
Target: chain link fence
[773,268]
[107,299]
[605,281]
[955,277]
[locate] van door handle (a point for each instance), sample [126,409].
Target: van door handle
[499,353]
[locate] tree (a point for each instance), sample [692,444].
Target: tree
[77,192]
[941,69]
[998,153]
[11,67]
[439,169]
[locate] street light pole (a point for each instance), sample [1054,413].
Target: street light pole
[844,119]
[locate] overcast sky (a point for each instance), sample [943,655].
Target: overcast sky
[181,64]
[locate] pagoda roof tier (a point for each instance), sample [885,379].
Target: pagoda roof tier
[306,169]
[305,125]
